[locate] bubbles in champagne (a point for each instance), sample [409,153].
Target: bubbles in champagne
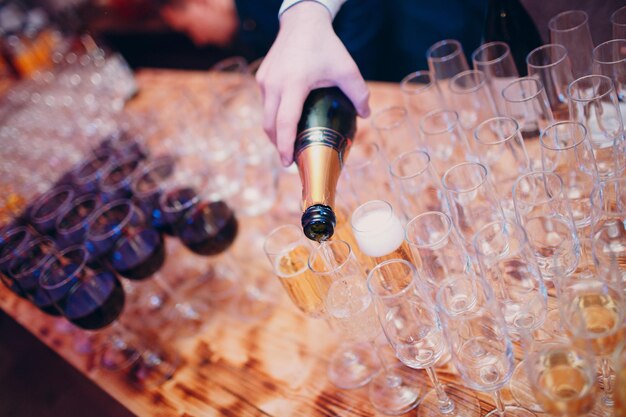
[378,232]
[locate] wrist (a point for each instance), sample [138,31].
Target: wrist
[306,12]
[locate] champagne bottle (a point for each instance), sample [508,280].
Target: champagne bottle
[509,22]
[325,133]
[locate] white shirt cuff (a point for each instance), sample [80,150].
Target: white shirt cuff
[333,6]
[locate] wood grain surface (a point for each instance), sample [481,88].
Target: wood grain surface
[274,365]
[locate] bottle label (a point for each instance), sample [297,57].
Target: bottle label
[320,136]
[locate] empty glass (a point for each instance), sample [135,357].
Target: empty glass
[444,139]
[542,208]
[609,58]
[566,151]
[594,103]
[571,29]
[445,60]
[494,59]
[473,200]
[48,207]
[499,146]
[618,20]
[470,96]
[417,184]
[394,130]
[421,95]
[71,225]
[551,65]
[407,315]
[526,101]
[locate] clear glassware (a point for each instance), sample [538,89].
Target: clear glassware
[12,240]
[409,320]
[499,145]
[93,299]
[508,265]
[437,248]
[542,208]
[421,95]
[481,349]
[445,60]
[609,58]
[594,103]
[472,198]
[470,96]
[566,151]
[571,29]
[47,208]
[551,65]
[494,59]
[147,187]
[562,377]
[417,184]
[117,179]
[395,130]
[71,224]
[444,139]
[618,20]
[526,101]
[86,177]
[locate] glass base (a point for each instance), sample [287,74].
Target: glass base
[395,390]
[465,403]
[521,390]
[511,411]
[352,366]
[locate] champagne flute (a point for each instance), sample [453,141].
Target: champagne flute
[444,139]
[609,58]
[494,59]
[481,349]
[351,309]
[421,94]
[445,60]
[407,315]
[470,97]
[571,29]
[618,20]
[394,130]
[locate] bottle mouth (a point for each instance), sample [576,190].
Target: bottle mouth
[318,222]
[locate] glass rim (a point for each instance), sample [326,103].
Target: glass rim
[127,179]
[150,167]
[484,176]
[403,155]
[603,45]
[78,201]
[10,232]
[385,111]
[489,45]
[502,140]
[553,21]
[534,174]
[97,156]
[105,208]
[615,14]
[482,81]
[274,231]
[406,82]
[419,217]
[521,80]
[502,225]
[42,279]
[458,51]
[603,79]
[366,205]
[410,284]
[28,246]
[541,49]
[41,200]
[472,278]
[556,125]
[360,165]
[316,251]
[448,128]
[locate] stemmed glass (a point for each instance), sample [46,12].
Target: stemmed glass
[444,139]
[407,315]
[494,59]
[470,96]
[542,208]
[71,225]
[395,130]
[93,299]
[417,184]
[86,176]
[594,103]
[117,179]
[571,29]
[609,58]
[290,254]
[445,60]
[351,310]
[499,146]
[566,151]
[481,349]
[47,208]
[421,95]
[551,65]
[618,20]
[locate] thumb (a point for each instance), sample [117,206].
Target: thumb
[355,88]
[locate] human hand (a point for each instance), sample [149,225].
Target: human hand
[305,55]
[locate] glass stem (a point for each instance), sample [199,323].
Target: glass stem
[445,404]
[607,396]
[497,395]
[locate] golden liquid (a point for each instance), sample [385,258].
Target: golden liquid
[565,387]
[305,289]
[620,394]
[600,316]
[343,231]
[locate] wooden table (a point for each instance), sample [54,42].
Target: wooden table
[271,367]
